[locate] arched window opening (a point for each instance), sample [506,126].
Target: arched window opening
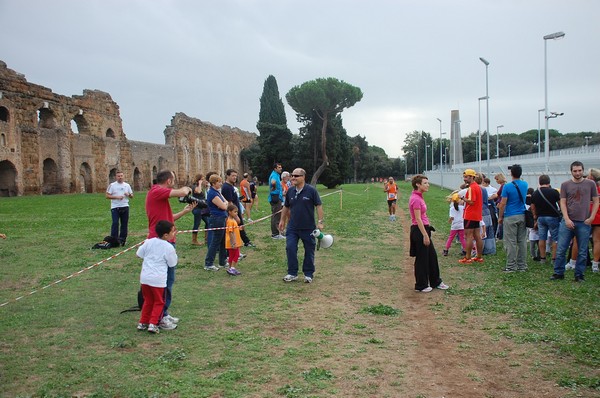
[2,139]
[81,125]
[51,184]
[8,179]
[3,114]
[46,119]
[110,133]
[74,127]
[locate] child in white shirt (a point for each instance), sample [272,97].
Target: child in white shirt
[456,220]
[158,255]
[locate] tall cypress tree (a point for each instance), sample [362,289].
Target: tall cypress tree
[275,137]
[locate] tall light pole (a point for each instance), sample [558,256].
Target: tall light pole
[441,163]
[498,141]
[417,159]
[487,109]
[425,147]
[509,152]
[587,142]
[479,133]
[539,136]
[553,36]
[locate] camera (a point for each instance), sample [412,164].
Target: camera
[200,203]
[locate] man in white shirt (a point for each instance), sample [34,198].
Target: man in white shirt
[119,193]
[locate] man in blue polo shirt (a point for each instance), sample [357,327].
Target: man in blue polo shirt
[299,208]
[512,216]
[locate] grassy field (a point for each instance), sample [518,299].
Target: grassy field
[254,335]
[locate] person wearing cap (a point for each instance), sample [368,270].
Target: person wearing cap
[391,189]
[512,216]
[472,217]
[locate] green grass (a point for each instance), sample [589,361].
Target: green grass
[252,335]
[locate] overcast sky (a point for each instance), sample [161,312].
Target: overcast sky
[415,61]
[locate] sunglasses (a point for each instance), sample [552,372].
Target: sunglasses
[297,175]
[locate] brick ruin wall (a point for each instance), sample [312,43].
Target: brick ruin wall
[41,154]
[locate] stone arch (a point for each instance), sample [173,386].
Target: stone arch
[8,179]
[85,178]
[4,114]
[46,118]
[81,123]
[2,139]
[112,176]
[51,182]
[137,180]
[110,133]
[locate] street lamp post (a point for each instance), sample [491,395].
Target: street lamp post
[487,109]
[587,142]
[441,163]
[539,136]
[417,152]
[498,142]
[479,134]
[508,152]
[426,147]
[553,36]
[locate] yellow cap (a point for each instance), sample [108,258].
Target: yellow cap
[470,172]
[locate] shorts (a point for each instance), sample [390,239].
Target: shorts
[471,224]
[391,202]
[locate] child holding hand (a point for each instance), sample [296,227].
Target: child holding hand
[233,239]
[456,221]
[158,254]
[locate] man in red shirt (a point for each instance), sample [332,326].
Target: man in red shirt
[472,217]
[157,209]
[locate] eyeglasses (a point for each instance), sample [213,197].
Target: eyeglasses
[297,175]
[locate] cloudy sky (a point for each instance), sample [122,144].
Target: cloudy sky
[415,61]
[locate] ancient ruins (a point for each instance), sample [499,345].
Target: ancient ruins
[40,153]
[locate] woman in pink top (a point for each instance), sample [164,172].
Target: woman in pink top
[427,270]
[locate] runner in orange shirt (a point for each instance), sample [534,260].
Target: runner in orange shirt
[391,189]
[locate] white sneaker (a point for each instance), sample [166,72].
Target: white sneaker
[290,278]
[569,266]
[211,268]
[278,237]
[243,256]
[308,279]
[442,286]
[595,267]
[171,319]
[165,324]
[426,290]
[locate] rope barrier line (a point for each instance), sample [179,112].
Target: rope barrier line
[127,250]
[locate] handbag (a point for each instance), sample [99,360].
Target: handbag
[529,221]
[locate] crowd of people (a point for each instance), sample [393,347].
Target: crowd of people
[564,220]
[223,208]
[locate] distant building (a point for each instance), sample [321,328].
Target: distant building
[51,143]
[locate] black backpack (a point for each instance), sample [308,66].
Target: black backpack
[108,243]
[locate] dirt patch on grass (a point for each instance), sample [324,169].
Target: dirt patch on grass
[431,349]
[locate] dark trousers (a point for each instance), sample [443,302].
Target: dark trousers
[216,241]
[275,211]
[291,249]
[427,270]
[119,214]
[243,234]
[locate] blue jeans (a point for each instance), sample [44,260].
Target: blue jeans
[581,232]
[119,214]
[291,248]
[169,289]
[199,217]
[545,224]
[216,241]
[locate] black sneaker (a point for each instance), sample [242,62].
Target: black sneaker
[556,277]
[445,252]
[537,259]
[579,279]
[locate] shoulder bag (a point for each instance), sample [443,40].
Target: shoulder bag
[529,221]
